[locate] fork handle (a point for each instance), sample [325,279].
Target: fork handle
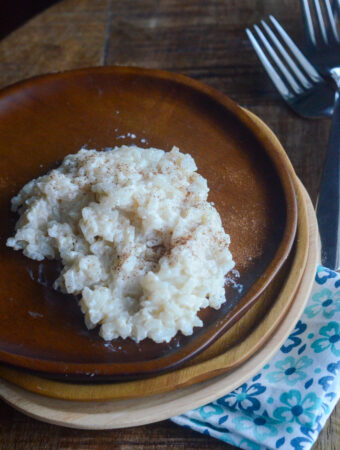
[328,207]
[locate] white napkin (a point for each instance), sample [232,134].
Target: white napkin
[287,403]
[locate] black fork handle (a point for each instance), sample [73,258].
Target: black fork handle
[328,207]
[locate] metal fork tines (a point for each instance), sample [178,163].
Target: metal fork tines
[308,94]
[321,26]
[294,76]
[325,19]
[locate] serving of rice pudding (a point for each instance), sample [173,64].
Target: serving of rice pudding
[137,238]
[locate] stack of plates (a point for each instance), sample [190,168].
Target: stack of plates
[67,374]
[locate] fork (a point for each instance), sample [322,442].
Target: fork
[305,91]
[324,51]
[308,94]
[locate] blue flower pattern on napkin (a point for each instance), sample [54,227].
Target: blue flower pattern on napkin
[298,409]
[261,427]
[286,404]
[324,302]
[330,339]
[323,275]
[290,370]
[293,339]
[243,398]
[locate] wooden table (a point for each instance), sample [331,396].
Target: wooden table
[204,39]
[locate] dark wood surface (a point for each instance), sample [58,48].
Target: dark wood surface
[16,12]
[204,39]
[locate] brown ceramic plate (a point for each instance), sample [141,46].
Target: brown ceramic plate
[45,118]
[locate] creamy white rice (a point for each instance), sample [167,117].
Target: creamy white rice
[136,236]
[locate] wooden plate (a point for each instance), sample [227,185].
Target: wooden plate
[43,119]
[134,412]
[237,345]
[247,336]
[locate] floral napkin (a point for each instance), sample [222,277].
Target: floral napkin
[287,403]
